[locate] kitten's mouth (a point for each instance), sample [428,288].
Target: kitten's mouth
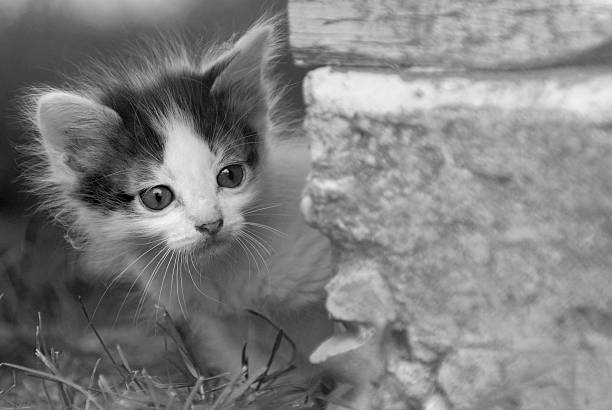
[214,243]
[206,244]
[199,245]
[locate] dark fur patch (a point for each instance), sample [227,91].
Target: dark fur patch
[100,191]
[216,119]
[105,185]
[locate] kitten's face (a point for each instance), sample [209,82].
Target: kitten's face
[197,194]
[180,166]
[175,160]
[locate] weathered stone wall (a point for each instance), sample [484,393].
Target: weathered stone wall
[485,205]
[471,215]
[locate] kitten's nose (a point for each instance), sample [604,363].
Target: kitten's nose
[210,228]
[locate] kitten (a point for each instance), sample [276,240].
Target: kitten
[177,174]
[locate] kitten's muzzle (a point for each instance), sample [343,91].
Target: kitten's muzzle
[210,228]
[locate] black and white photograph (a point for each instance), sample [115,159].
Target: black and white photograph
[306,205]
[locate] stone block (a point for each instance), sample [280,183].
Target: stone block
[484,202]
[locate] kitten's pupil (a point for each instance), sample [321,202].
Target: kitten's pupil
[157,197]
[230,176]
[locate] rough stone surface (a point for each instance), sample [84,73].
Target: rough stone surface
[484,205]
[448,33]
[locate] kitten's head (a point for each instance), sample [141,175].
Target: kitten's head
[171,154]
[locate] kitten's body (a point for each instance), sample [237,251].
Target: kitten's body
[286,286]
[167,130]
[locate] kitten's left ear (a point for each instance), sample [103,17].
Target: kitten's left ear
[242,71]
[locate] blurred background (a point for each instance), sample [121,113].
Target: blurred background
[43,40]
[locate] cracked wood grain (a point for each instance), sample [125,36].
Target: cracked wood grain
[450,33]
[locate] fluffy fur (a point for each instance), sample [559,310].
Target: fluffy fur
[176,118]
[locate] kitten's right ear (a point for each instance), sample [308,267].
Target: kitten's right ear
[73,128]
[241,72]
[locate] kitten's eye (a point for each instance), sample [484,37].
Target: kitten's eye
[157,197]
[231,176]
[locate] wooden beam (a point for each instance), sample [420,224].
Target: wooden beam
[450,33]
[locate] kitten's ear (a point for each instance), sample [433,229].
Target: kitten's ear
[241,73]
[73,129]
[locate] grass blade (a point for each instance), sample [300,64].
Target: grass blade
[54,378]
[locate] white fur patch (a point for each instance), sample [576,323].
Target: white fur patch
[190,166]
[190,169]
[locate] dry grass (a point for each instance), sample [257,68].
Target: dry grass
[39,310]
[63,383]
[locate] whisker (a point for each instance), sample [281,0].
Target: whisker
[246,252]
[263,236]
[178,295]
[175,274]
[260,241]
[141,301]
[267,227]
[249,241]
[200,291]
[191,259]
[161,289]
[171,286]
[249,211]
[180,277]
[118,277]
[134,283]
